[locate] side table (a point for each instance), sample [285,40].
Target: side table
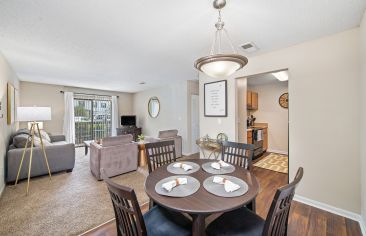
[142,154]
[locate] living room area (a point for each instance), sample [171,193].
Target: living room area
[98,118]
[121,118]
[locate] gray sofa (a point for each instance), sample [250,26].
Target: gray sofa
[117,155]
[60,154]
[172,135]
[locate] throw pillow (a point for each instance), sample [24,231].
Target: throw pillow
[44,136]
[37,142]
[20,140]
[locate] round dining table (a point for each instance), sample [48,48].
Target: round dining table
[202,203]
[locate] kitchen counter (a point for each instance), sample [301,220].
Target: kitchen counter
[258,126]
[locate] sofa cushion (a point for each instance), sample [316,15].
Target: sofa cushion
[117,140]
[168,133]
[20,140]
[57,143]
[44,135]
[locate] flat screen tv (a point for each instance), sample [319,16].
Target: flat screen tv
[128,120]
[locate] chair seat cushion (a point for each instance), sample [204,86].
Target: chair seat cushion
[162,222]
[241,222]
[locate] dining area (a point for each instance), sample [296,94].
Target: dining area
[200,196]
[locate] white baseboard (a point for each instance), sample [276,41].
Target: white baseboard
[363,226]
[333,209]
[278,151]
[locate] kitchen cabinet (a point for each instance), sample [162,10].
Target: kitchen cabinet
[252,100]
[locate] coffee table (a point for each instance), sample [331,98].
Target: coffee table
[87,145]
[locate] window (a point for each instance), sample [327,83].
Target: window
[92,115]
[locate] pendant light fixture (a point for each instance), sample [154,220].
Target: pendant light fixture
[219,64]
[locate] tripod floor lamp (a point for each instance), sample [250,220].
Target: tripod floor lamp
[33,115]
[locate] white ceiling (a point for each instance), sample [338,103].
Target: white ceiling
[263,79]
[115,44]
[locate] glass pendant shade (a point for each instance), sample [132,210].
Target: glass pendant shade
[221,65]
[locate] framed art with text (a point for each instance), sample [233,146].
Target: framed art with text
[215,99]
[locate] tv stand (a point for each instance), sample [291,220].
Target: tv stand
[135,131]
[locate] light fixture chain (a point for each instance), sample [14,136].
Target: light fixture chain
[219,44]
[230,41]
[213,44]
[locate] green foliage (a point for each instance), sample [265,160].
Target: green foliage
[141,137]
[81,111]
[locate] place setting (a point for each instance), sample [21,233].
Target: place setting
[225,186]
[177,186]
[183,168]
[218,167]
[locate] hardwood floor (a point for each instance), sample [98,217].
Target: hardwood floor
[304,219]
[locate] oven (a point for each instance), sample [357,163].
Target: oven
[257,141]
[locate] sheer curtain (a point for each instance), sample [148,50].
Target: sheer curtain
[69,124]
[115,115]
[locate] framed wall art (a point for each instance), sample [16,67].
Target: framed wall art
[215,99]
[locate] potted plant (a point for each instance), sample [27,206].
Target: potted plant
[141,138]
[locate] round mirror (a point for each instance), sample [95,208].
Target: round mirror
[154,107]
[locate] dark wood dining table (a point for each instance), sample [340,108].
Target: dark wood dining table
[202,203]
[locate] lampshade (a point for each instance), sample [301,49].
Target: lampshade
[33,113]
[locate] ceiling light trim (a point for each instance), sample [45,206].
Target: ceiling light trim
[241,60]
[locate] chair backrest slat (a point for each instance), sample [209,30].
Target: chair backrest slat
[127,211]
[159,154]
[277,218]
[240,154]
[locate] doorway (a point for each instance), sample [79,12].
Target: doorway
[263,118]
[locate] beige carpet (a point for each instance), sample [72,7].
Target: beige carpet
[275,162]
[69,204]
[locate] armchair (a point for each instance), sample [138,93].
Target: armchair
[165,135]
[117,155]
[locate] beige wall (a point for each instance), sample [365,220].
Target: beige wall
[241,91]
[6,76]
[324,114]
[192,89]
[49,95]
[173,110]
[363,119]
[269,111]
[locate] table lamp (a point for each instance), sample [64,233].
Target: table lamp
[33,115]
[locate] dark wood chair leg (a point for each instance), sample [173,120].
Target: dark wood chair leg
[251,206]
[151,204]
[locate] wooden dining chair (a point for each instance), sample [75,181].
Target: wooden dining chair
[157,221]
[240,154]
[246,223]
[159,154]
